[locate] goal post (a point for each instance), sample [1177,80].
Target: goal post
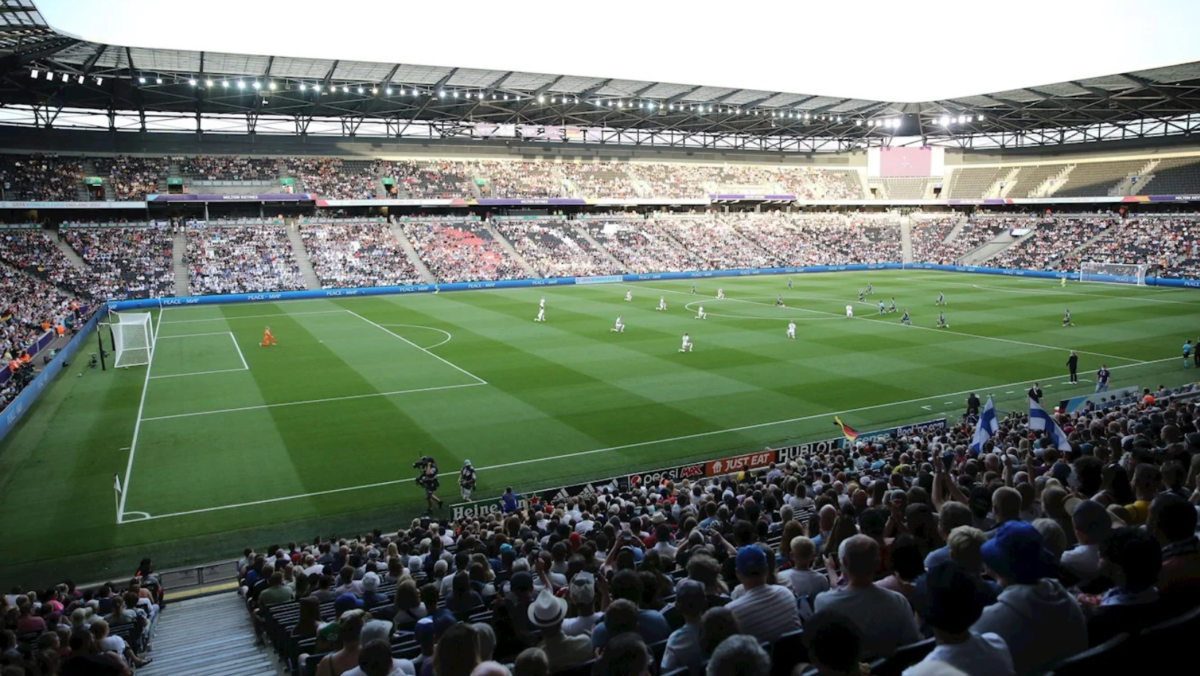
[133,339]
[1113,273]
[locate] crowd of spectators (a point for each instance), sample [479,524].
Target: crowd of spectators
[606,180]
[460,250]
[356,255]
[127,262]
[28,309]
[781,233]
[510,179]
[1052,244]
[1165,244]
[427,179]
[241,259]
[68,630]
[228,168]
[717,244]
[132,178]
[1005,561]
[52,178]
[554,249]
[642,245]
[334,178]
[34,252]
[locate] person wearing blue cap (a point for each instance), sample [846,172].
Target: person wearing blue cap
[765,611]
[1040,621]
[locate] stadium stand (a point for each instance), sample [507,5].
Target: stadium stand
[356,255]
[333,177]
[132,178]
[40,177]
[1165,243]
[906,188]
[34,252]
[601,179]
[129,262]
[228,168]
[1174,176]
[1031,178]
[439,179]
[538,180]
[1097,179]
[1053,243]
[971,182]
[554,250]
[459,250]
[241,259]
[698,553]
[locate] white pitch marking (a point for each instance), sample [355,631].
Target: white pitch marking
[276,314]
[927,408]
[639,444]
[239,349]
[939,331]
[137,425]
[451,365]
[311,401]
[197,373]
[418,326]
[193,335]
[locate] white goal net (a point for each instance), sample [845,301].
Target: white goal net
[1113,273]
[133,339]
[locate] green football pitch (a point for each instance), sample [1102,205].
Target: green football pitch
[221,443]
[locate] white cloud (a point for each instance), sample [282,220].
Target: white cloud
[871,49]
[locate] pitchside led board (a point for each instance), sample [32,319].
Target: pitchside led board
[905,162]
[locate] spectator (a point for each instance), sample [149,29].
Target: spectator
[375,659]
[739,655]
[765,611]
[276,591]
[716,625]
[683,646]
[834,644]
[531,662]
[561,651]
[350,625]
[883,616]
[1092,526]
[88,659]
[627,655]
[947,601]
[1036,617]
[1133,604]
[457,652]
[1175,528]
[805,582]
[651,624]
[582,596]
[952,515]
[907,565]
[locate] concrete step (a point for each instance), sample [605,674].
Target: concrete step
[178,249]
[311,281]
[209,636]
[413,256]
[75,258]
[507,246]
[587,237]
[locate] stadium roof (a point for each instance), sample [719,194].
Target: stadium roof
[186,86]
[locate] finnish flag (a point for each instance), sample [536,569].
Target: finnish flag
[986,427]
[1040,420]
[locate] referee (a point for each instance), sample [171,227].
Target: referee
[1073,366]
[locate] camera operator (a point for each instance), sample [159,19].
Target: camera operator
[428,479]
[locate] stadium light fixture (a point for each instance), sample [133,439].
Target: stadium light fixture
[858,123]
[49,75]
[839,119]
[158,80]
[34,73]
[541,99]
[208,83]
[303,86]
[388,91]
[360,90]
[225,84]
[80,79]
[241,85]
[456,95]
[345,89]
[944,121]
[441,93]
[271,86]
[66,76]
[192,82]
[979,118]
[99,81]
[141,80]
[256,86]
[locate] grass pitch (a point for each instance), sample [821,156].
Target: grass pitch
[223,443]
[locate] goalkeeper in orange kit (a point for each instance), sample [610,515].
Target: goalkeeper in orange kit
[268,339]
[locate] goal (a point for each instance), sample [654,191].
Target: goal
[133,339]
[1113,273]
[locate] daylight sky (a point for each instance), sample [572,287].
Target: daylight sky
[871,49]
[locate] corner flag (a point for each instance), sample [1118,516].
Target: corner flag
[116,482]
[847,430]
[986,427]
[1040,420]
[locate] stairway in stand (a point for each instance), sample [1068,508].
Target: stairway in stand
[182,278]
[207,636]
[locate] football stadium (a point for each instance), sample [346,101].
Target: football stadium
[329,351]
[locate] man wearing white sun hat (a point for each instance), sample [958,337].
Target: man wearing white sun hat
[547,613]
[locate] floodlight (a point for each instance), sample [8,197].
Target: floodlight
[441,94]
[979,118]
[345,89]
[209,83]
[360,90]
[80,79]
[192,82]
[34,73]
[49,75]
[271,86]
[944,121]
[158,80]
[303,86]
[858,123]
[456,95]
[388,91]
[241,85]
[541,99]
[66,77]
[225,83]
[256,85]
[99,81]
[141,80]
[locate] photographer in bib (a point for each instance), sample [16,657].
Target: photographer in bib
[428,479]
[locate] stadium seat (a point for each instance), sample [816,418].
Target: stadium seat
[788,651]
[903,658]
[1109,657]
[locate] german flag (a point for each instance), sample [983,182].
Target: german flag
[847,430]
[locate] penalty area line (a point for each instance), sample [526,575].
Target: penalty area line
[698,435]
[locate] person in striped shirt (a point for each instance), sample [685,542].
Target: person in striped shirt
[764,611]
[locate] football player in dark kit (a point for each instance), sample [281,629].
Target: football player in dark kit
[1073,366]
[428,479]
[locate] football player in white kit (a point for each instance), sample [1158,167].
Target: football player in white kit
[721,294]
[541,315]
[687,344]
[542,303]
[620,327]
[792,329]
[850,311]
[628,296]
[700,313]
[662,303]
